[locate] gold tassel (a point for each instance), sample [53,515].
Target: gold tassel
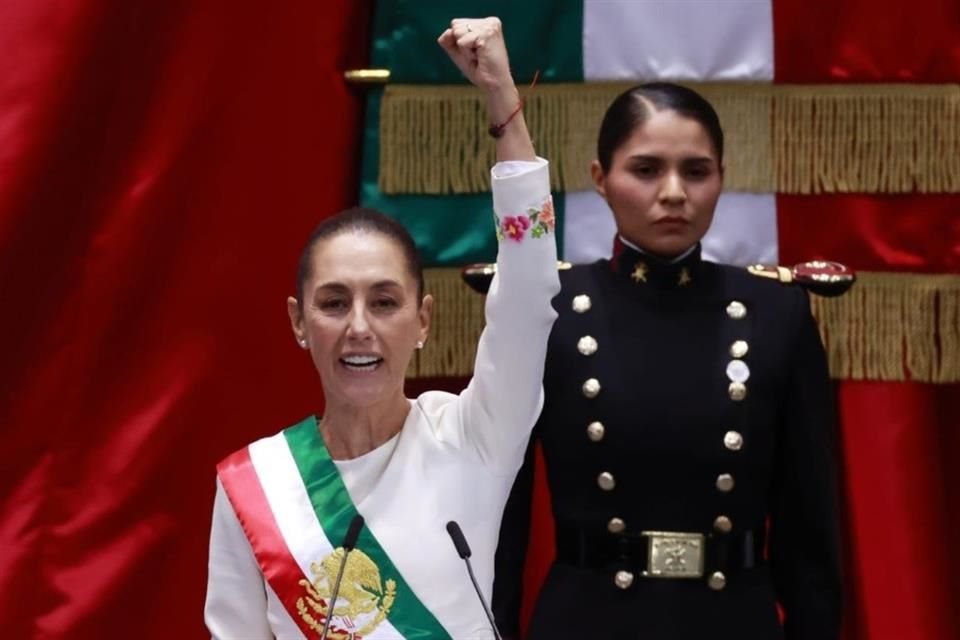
[889,326]
[885,138]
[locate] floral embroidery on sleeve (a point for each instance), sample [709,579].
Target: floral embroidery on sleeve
[538,221]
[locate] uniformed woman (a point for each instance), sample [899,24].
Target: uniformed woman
[687,425]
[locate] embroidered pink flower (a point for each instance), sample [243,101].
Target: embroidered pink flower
[515,226]
[546,215]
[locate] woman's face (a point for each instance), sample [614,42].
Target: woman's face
[663,184]
[360,318]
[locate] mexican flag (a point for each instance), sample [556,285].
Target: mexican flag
[836,140]
[843,126]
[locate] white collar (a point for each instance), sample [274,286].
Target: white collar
[647,253]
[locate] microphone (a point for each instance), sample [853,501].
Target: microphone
[353,533]
[349,542]
[463,550]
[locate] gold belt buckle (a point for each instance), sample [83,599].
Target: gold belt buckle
[674,554]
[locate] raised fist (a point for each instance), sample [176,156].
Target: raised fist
[476,46]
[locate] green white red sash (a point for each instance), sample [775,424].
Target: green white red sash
[290,500]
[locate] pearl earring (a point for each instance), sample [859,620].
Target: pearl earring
[303,343]
[419,344]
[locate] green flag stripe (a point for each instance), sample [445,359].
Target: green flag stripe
[546,35]
[334,509]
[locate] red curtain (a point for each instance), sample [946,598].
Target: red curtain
[161,164]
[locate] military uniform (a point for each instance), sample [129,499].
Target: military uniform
[688,438]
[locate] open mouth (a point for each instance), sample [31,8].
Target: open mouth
[361,363]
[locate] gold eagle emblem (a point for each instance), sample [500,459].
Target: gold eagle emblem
[364,600]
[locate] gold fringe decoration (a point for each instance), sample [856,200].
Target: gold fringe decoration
[894,326]
[457,322]
[866,138]
[889,326]
[884,138]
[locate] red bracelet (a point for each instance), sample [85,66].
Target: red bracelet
[496,130]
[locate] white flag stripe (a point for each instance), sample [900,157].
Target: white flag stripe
[678,39]
[744,229]
[293,511]
[588,227]
[289,501]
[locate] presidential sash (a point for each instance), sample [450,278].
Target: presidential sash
[291,502]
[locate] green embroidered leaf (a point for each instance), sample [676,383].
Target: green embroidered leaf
[497,228]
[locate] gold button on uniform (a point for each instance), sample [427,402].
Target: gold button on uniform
[717,580]
[582,303]
[591,388]
[595,431]
[733,440]
[623,579]
[605,481]
[723,524]
[737,391]
[616,525]
[736,310]
[725,482]
[739,349]
[587,345]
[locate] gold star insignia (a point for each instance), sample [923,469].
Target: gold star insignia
[685,278]
[639,272]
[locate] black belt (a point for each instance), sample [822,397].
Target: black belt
[721,551]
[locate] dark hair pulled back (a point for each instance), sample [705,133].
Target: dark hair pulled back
[632,108]
[362,220]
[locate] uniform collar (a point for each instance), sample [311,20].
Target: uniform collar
[649,271]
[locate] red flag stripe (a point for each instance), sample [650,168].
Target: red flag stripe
[899,457]
[919,234]
[866,41]
[281,571]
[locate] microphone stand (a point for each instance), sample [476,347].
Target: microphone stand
[463,550]
[349,542]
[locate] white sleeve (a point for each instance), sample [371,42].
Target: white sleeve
[236,604]
[503,400]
